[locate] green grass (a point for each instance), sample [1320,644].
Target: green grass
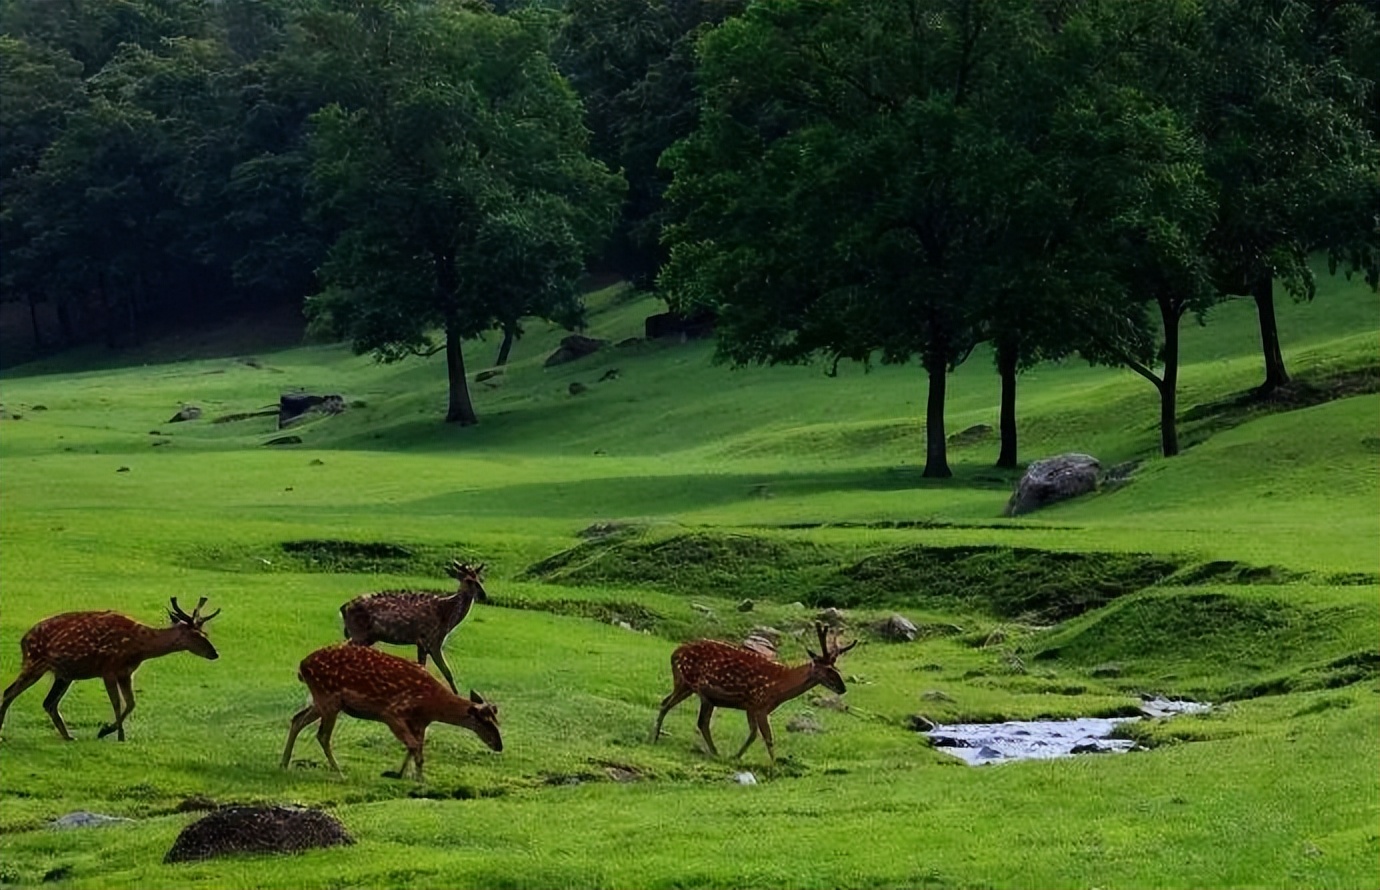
[1243,572]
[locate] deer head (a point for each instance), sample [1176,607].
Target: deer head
[468,576]
[822,668]
[189,629]
[482,720]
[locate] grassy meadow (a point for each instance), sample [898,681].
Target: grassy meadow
[640,513]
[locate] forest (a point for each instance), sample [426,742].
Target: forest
[870,181]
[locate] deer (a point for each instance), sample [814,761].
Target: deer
[406,617]
[727,676]
[372,685]
[109,645]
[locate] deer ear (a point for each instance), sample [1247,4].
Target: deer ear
[476,698]
[810,652]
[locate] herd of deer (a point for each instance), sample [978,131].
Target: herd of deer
[371,685]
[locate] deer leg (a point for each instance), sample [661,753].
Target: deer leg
[50,704]
[413,745]
[764,724]
[678,695]
[28,676]
[421,655]
[445,668]
[323,735]
[752,735]
[707,712]
[112,689]
[300,721]
[127,687]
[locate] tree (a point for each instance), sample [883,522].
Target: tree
[1281,116]
[633,64]
[455,174]
[852,184]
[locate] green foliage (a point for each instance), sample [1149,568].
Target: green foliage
[456,179]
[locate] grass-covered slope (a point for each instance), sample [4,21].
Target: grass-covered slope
[644,511]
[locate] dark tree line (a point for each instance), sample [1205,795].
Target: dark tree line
[898,181]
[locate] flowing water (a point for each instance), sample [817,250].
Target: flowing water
[983,743]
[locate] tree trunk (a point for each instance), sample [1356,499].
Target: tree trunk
[1006,367]
[509,335]
[65,326]
[936,447]
[1171,315]
[1263,290]
[39,342]
[461,409]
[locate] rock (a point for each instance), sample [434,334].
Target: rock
[123,470]
[488,375]
[294,406]
[832,617]
[627,341]
[702,609]
[610,374]
[622,773]
[830,701]
[804,723]
[576,346]
[86,819]
[936,695]
[257,829]
[1054,479]
[898,628]
[603,529]
[763,640]
[1110,669]
[746,606]
[623,624]
[316,462]
[188,412]
[1090,748]
[921,723]
[577,387]
[745,778]
[673,324]
[285,440]
[971,436]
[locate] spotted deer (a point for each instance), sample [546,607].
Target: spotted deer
[84,645]
[406,617]
[373,685]
[728,676]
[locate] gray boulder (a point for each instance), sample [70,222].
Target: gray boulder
[574,347]
[1052,480]
[898,628]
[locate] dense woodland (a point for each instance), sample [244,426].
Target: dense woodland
[869,180]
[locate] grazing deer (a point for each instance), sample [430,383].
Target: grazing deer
[422,619]
[728,676]
[374,685]
[83,645]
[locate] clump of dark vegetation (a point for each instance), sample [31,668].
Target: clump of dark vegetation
[723,565]
[1229,572]
[1356,667]
[635,615]
[1201,421]
[257,829]
[333,556]
[1035,585]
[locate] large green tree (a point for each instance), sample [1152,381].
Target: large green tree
[852,187]
[455,174]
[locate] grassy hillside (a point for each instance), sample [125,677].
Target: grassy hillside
[1243,572]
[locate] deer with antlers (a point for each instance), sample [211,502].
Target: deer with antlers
[374,685]
[406,617]
[84,645]
[728,676]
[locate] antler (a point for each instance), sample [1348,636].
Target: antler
[460,570]
[196,619]
[176,613]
